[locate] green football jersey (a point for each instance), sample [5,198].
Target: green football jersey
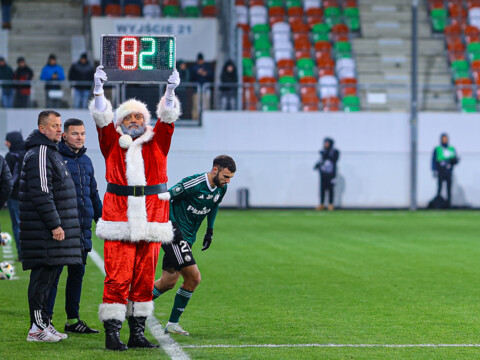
[193,199]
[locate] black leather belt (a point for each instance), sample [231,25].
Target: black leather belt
[137,190]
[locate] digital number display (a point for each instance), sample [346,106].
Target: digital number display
[138,58]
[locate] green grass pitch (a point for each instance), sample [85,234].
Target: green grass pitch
[299,277]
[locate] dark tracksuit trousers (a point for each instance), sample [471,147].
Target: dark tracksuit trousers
[326,184]
[41,281]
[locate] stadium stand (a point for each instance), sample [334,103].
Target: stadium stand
[303,58]
[153,8]
[459,22]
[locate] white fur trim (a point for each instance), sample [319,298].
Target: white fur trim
[107,311]
[104,118]
[122,230]
[164,196]
[125,141]
[139,309]
[133,106]
[167,114]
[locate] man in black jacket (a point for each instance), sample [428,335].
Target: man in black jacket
[14,158]
[89,207]
[5,181]
[82,70]
[49,227]
[327,166]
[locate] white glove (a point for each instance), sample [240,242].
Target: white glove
[100,77]
[173,80]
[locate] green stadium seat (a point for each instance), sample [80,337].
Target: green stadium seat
[262,43]
[320,32]
[191,12]
[209,3]
[269,102]
[352,18]
[171,11]
[332,16]
[261,53]
[473,50]
[351,103]
[273,3]
[247,65]
[439,19]
[306,67]
[287,85]
[293,3]
[260,30]
[343,49]
[469,104]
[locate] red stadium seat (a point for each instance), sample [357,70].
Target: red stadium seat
[301,54]
[348,86]
[463,88]
[331,104]
[310,107]
[132,10]
[472,34]
[257,3]
[209,11]
[330,3]
[93,10]
[113,10]
[267,86]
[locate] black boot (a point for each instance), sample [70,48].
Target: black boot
[112,335]
[137,338]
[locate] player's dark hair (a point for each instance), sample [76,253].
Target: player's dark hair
[43,116]
[225,162]
[72,122]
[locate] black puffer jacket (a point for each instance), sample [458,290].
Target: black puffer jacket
[47,200]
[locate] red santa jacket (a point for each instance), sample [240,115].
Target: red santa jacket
[142,161]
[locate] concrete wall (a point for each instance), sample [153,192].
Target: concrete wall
[275,154]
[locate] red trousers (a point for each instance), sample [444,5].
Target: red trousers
[130,268]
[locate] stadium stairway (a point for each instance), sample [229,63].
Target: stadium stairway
[42,27]
[383,57]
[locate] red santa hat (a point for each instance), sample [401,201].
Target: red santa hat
[132,106]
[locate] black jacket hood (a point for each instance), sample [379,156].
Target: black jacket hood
[36,138]
[16,141]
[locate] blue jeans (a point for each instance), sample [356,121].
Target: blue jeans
[80,98]
[73,290]
[7,98]
[14,216]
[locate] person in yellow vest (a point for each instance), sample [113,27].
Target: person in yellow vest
[444,158]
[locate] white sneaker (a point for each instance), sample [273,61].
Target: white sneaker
[56,333]
[175,329]
[42,336]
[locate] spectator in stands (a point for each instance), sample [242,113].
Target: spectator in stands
[82,70]
[201,73]
[6,73]
[22,92]
[228,89]
[52,73]
[327,167]
[444,158]
[6,9]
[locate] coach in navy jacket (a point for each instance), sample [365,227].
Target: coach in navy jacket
[89,208]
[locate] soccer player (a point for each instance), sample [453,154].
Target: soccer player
[192,199]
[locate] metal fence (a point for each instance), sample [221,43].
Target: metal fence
[196,98]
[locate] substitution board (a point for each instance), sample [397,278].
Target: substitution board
[138,58]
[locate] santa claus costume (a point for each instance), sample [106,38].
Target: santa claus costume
[135,217]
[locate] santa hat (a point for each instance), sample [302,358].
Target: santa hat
[132,106]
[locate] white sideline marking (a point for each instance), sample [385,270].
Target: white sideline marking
[331,345]
[166,342]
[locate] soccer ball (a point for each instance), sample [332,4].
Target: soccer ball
[5,238]
[6,271]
